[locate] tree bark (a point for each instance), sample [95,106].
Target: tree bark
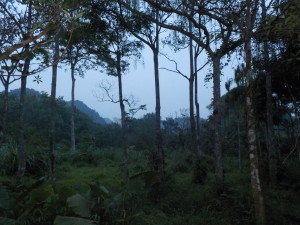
[21,148]
[159,158]
[196,176]
[21,156]
[73,140]
[251,123]
[239,146]
[53,111]
[269,110]
[123,118]
[219,174]
[197,103]
[5,106]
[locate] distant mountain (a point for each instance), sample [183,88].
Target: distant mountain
[90,112]
[28,90]
[78,104]
[108,121]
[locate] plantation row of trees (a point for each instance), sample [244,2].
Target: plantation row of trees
[38,34]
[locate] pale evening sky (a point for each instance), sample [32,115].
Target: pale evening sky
[139,82]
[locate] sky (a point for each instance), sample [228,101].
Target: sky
[139,82]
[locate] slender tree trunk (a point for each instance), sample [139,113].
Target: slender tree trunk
[21,148]
[159,156]
[269,110]
[239,146]
[5,107]
[123,118]
[251,125]
[197,103]
[21,156]
[219,174]
[53,111]
[196,176]
[73,140]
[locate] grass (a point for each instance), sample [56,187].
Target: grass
[180,201]
[108,176]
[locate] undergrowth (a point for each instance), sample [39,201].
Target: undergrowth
[90,189]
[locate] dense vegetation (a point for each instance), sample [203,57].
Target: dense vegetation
[240,166]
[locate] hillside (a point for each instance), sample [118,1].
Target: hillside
[81,106]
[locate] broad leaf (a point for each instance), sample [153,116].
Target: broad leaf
[65,192]
[65,220]
[80,205]
[41,194]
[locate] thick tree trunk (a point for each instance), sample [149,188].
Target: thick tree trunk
[251,123]
[123,119]
[269,110]
[219,174]
[73,140]
[53,111]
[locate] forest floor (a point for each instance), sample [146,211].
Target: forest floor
[97,177]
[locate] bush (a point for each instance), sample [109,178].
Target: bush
[8,155]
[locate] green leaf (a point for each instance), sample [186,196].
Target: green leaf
[64,220]
[65,192]
[4,198]
[41,194]
[80,205]
[104,189]
[78,15]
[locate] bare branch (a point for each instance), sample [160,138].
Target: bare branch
[176,67]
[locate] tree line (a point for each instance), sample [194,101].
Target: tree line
[265,34]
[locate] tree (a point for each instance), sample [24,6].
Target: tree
[36,36]
[194,127]
[76,52]
[272,159]
[218,36]
[7,77]
[121,49]
[149,34]
[11,24]
[251,10]
[21,147]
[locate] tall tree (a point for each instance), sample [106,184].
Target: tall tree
[21,147]
[36,36]
[218,38]
[251,11]
[76,52]
[53,109]
[10,26]
[9,68]
[122,48]
[149,34]
[180,43]
[269,106]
